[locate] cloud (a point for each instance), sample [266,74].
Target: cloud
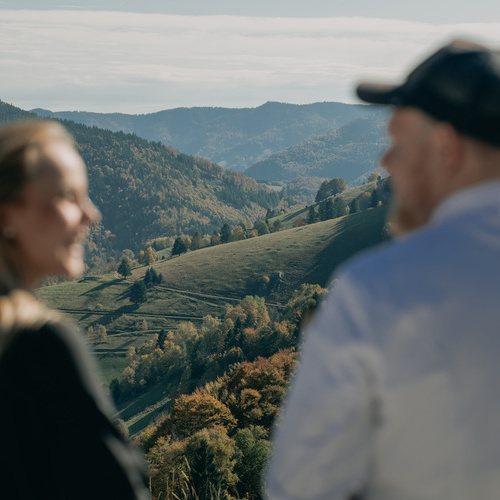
[117,61]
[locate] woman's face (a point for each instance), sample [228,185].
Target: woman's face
[51,219]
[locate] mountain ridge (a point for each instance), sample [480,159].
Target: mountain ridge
[145,189]
[234,138]
[350,152]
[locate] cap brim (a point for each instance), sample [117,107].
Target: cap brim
[377,93]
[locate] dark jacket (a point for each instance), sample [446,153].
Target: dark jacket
[56,437]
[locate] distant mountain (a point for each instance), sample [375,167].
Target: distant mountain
[146,189]
[232,138]
[351,152]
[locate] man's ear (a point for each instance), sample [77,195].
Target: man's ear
[450,149]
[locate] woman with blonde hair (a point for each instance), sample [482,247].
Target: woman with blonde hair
[57,441]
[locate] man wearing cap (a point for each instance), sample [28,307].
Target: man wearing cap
[397,397]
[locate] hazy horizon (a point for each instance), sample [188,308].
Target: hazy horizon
[77,59]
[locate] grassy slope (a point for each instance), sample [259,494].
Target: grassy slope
[203,282]
[288,219]
[306,254]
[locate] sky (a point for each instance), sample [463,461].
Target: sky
[141,57]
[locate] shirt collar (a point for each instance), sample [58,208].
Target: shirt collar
[470,198]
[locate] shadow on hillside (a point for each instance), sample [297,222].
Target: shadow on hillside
[142,423]
[108,317]
[356,232]
[100,287]
[124,295]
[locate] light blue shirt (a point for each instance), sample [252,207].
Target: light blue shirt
[398,391]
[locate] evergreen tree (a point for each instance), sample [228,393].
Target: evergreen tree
[225,234]
[339,207]
[162,336]
[354,207]
[374,200]
[312,215]
[154,276]
[205,476]
[252,453]
[322,210]
[151,277]
[125,269]
[138,293]
[148,278]
[330,209]
[179,246]
[196,241]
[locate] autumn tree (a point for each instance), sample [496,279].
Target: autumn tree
[262,227]
[198,411]
[374,176]
[299,221]
[238,234]
[128,253]
[330,188]
[215,239]
[150,255]
[100,333]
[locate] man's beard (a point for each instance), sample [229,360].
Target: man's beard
[403,219]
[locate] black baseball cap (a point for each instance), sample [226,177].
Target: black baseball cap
[458,84]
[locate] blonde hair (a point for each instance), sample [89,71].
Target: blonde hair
[21,160]
[19,310]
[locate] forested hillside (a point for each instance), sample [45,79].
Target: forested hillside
[232,138]
[145,189]
[215,441]
[350,152]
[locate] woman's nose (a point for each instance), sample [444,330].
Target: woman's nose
[91,213]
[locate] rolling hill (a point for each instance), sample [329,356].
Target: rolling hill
[202,282]
[145,189]
[232,138]
[350,152]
